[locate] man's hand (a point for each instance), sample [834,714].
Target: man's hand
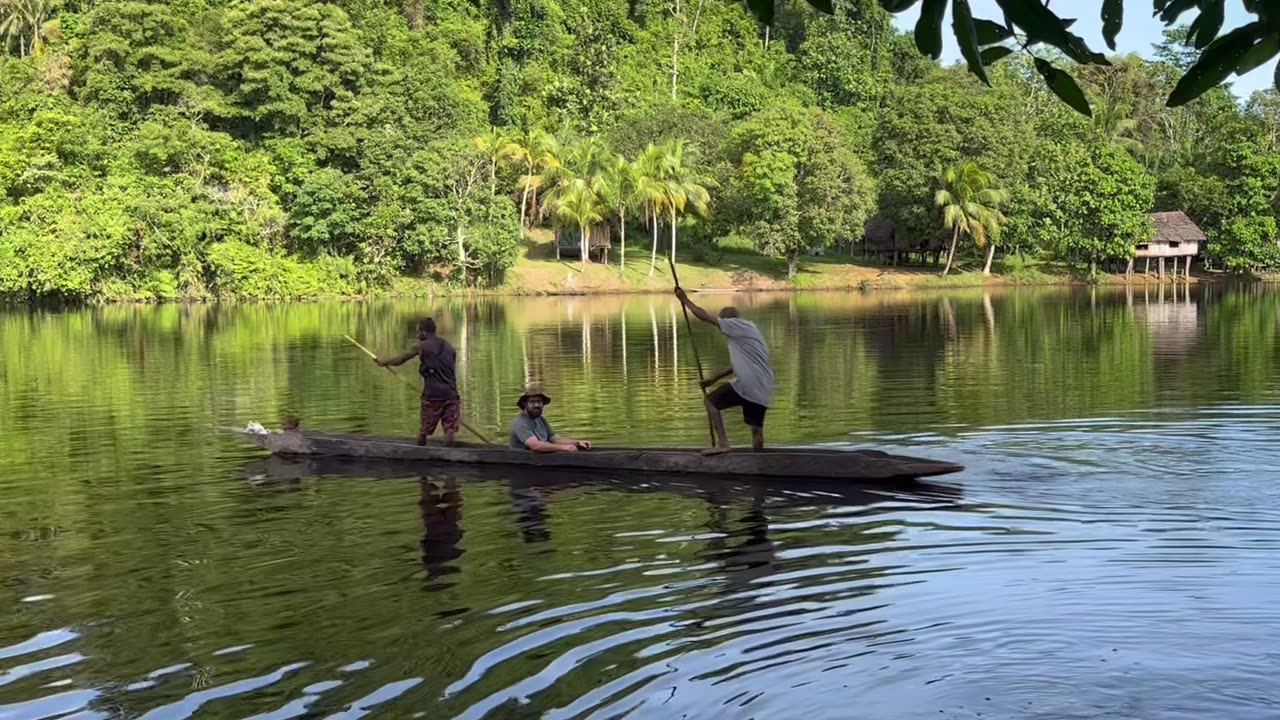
[380,362]
[708,383]
[680,293]
[583,445]
[570,448]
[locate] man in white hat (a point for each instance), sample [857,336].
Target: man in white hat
[531,431]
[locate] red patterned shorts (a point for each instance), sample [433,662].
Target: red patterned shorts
[440,412]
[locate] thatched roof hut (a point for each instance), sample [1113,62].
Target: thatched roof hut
[878,235]
[1176,236]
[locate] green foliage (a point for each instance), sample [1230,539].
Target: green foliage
[237,269]
[1088,203]
[138,137]
[799,184]
[1221,54]
[969,199]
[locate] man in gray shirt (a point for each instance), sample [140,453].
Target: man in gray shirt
[752,387]
[531,431]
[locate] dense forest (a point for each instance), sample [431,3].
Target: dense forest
[269,148]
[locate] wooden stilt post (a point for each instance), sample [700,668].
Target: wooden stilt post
[1162,271]
[1128,271]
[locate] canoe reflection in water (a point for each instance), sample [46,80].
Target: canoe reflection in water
[738,520]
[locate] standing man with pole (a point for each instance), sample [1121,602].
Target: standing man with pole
[441,404]
[752,387]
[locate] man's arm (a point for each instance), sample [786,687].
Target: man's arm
[399,359]
[698,312]
[576,444]
[555,446]
[717,378]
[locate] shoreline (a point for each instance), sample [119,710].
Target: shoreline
[536,274]
[426,289]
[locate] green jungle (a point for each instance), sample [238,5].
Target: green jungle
[187,149]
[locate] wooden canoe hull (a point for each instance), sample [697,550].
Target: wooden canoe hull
[865,465]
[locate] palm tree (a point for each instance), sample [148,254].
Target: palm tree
[686,187]
[528,150]
[491,144]
[651,193]
[23,22]
[1112,124]
[577,203]
[616,187]
[968,200]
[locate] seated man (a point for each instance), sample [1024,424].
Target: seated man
[531,431]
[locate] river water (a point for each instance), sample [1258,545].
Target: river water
[1111,551]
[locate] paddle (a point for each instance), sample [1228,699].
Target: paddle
[402,379]
[694,344]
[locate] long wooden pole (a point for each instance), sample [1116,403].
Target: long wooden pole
[696,359]
[402,379]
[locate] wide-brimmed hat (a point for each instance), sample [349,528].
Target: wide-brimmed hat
[533,390]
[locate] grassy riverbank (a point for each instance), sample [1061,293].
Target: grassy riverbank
[537,272]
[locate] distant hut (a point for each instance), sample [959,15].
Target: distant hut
[569,242]
[879,239]
[1176,237]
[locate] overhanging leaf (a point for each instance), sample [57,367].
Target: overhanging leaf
[967,37]
[995,53]
[1264,50]
[990,33]
[929,28]
[1174,10]
[763,10]
[1211,17]
[1064,86]
[825,6]
[897,6]
[1042,25]
[1218,61]
[1112,21]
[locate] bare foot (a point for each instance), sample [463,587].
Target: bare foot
[719,450]
[422,439]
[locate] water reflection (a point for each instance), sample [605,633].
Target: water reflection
[1113,552]
[441,517]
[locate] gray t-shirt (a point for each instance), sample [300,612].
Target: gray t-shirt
[525,427]
[749,356]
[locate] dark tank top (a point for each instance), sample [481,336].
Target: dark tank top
[437,365]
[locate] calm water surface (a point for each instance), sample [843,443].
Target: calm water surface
[1112,551]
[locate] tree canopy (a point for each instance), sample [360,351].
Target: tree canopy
[1032,28]
[159,149]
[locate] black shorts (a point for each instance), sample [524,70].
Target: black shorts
[725,397]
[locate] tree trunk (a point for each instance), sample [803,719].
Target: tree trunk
[793,264]
[415,13]
[524,203]
[653,254]
[951,253]
[582,233]
[675,53]
[673,234]
[991,253]
[622,229]
[462,252]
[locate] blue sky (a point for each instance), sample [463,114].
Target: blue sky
[1140,32]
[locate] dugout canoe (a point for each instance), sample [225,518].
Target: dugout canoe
[810,463]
